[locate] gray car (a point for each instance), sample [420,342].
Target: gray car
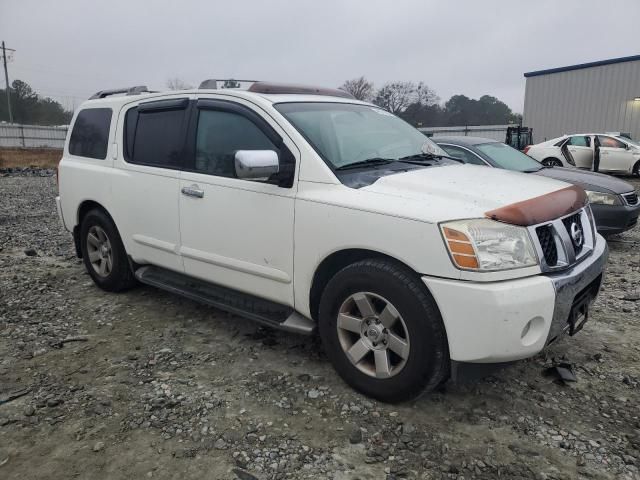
[614,202]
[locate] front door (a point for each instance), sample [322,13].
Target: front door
[581,150]
[614,155]
[235,232]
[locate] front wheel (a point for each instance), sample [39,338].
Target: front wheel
[383,331]
[551,162]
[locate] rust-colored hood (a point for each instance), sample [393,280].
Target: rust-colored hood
[541,209]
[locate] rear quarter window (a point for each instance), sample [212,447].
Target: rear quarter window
[90,134]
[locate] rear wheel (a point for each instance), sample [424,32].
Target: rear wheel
[551,162]
[382,331]
[103,253]
[636,169]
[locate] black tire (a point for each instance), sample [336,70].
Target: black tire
[427,363]
[120,276]
[636,169]
[552,162]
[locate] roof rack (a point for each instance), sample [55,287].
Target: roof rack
[284,88]
[212,83]
[258,86]
[137,90]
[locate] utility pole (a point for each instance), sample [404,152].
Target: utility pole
[6,79]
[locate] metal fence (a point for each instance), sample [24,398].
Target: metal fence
[32,136]
[494,132]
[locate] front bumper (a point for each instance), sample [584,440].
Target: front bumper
[612,219]
[497,322]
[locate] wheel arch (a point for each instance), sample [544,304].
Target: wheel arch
[335,262]
[85,207]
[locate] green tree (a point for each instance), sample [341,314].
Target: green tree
[30,109]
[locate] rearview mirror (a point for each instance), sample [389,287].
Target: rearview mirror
[256,164]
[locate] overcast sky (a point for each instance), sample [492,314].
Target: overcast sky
[68,49]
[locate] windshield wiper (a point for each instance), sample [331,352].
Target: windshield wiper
[368,162]
[418,157]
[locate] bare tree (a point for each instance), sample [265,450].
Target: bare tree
[425,96]
[361,88]
[396,96]
[177,83]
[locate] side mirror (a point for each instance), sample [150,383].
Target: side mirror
[256,164]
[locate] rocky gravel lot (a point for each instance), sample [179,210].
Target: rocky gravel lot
[148,385]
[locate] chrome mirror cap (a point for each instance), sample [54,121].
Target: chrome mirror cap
[256,164]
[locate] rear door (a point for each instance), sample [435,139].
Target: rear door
[235,232]
[146,186]
[614,154]
[581,150]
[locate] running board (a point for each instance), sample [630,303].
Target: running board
[263,311]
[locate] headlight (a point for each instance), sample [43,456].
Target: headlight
[486,245]
[600,198]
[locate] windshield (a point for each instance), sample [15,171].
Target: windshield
[507,157]
[633,143]
[345,133]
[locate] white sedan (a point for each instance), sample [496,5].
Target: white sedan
[617,154]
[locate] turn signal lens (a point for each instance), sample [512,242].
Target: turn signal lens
[461,248]
[485,245]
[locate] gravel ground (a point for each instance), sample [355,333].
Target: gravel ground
[148,385]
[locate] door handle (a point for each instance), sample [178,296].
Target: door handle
[193,191]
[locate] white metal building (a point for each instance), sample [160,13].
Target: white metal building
[599,96]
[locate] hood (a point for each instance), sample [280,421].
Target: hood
[587,180]
[458,191]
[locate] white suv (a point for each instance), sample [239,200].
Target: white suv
[301,208]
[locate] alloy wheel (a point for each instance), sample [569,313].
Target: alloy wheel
[99,251]
[373,335]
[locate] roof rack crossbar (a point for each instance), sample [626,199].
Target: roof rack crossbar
[137,90]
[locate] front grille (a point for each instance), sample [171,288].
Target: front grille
[557,247]
[548,244]
[569,223]
[631,198]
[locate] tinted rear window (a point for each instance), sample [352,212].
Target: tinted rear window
[156,137]
[90,134]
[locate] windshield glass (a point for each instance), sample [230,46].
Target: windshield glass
[633,143]
[345,133]
[507,157]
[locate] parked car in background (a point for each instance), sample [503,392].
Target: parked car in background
[618,154]
[614,202]
[304,208]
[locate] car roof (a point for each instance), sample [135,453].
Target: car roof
[464,140]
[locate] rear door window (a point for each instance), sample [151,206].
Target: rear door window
[155,133]
[90,134]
